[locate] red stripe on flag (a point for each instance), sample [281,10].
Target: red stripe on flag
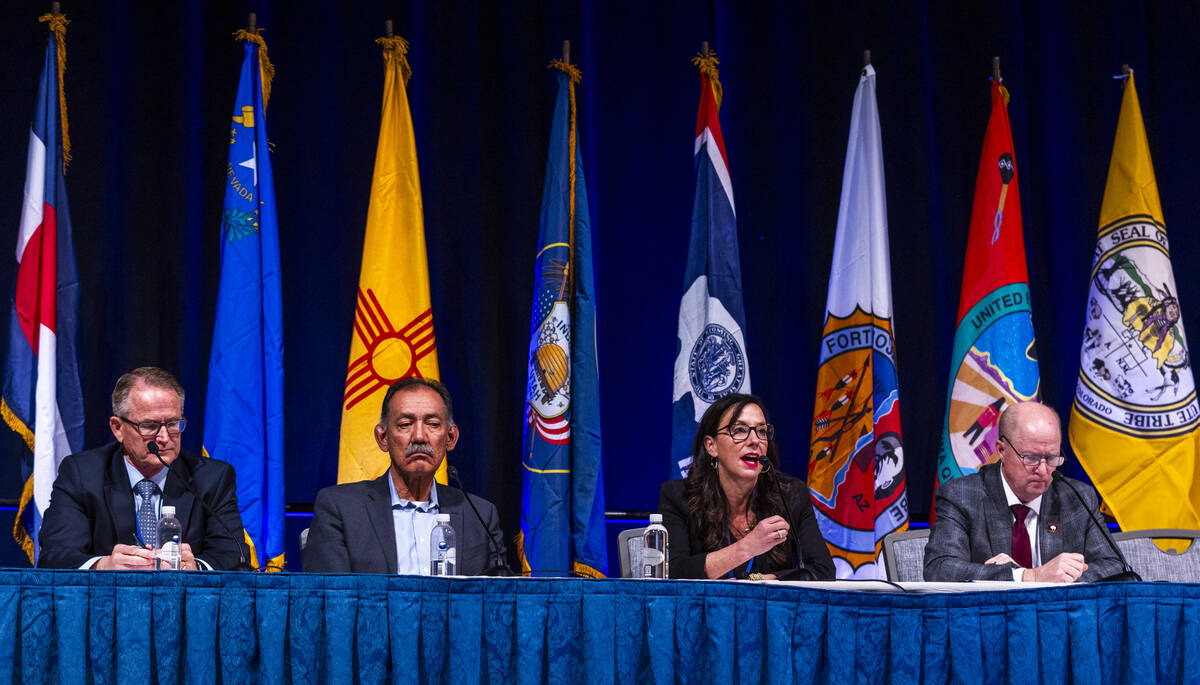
[708,117]
[36,291]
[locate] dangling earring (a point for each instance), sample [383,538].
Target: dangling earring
[712,462]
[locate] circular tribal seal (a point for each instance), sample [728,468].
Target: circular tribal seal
[716,365]
[1135,372]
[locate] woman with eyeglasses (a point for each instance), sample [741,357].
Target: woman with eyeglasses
[736,515]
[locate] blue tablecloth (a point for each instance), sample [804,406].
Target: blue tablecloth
[141,627]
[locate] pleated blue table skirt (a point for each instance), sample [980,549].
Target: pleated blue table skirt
[143,627]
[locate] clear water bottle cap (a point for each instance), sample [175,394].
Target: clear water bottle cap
[443,518]
[168,510]
[655,518]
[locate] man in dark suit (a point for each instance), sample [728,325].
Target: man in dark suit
[1012,520]
[383,525]
[106,501]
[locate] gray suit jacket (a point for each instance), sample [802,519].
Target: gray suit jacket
[973,524]
[352,529]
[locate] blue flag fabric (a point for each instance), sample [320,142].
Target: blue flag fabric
[243,420]
[710,354]
[562,518]
[42,400]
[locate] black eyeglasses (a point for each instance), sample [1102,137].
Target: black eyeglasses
[149,429]
[738,432]
[1032,460]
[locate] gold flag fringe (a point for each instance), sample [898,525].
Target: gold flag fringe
[264,64]
[707,64]
[573,77]
[20,534]
[396,48]
[1004,93]
[58,26]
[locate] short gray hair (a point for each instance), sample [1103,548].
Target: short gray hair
[150,375]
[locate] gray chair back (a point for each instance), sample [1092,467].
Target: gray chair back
[904,555]
[629,549]
[303,539]
[1152,563]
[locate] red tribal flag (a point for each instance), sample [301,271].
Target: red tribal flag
[994,363]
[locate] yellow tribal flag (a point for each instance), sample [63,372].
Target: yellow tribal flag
[1135,416]
[393,322]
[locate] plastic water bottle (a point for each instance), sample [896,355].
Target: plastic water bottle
[443,553]
[654,549]
[170,533]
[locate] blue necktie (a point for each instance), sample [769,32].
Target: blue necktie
[147,518]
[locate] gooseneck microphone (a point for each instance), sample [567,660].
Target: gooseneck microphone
[1127,572]
[499,569]
[243,563]
[792,536]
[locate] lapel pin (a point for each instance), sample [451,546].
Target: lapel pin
[1053,528]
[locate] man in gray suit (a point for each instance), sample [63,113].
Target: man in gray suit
[384,525]
[976,534]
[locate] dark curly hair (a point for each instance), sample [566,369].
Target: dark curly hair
[707,503]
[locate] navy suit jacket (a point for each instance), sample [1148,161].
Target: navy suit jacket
[973,524]
[352,529]
[91,509]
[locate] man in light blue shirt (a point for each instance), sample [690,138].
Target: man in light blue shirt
[384,525]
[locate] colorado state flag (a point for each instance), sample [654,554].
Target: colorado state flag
[243,418]
[562,517]
[710,353]
[42,400]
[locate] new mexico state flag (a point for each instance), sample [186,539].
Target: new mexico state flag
[393,322]
[1135,416]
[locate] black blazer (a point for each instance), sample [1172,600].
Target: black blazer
[352,529]
[973,524]
[91,509]
[687,555]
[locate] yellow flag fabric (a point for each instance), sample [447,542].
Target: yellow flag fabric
[1135,416]
[393,322]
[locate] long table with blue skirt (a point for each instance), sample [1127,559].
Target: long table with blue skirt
[171,627]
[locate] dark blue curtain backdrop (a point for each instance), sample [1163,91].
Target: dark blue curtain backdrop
[150,87]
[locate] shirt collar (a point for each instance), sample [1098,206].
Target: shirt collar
[397,501]
[136,476]
[1035,504]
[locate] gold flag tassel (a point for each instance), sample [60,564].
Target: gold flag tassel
[574,75]
[395,48]
[58,26]
[266,69]
[707,64]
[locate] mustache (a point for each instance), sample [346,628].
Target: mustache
[418,448]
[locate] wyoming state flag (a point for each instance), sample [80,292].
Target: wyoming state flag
[1135,416]
[42,400]
[710,353]
[994,363]
[393,320]
[562,513]
[856,460]
[243,413]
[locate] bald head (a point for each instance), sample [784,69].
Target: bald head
[1026,420]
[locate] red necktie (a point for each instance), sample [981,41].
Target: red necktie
[1021,551]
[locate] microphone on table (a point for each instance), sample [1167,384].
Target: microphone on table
[1127,572]
[787,511]
[493,553]
[243,564]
